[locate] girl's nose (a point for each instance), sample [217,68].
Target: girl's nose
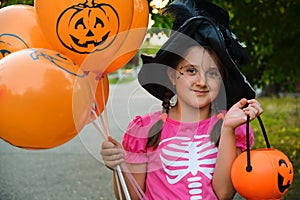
[201,79]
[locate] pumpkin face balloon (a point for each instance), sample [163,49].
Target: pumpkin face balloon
[79,28]
[90,27]
[270,177]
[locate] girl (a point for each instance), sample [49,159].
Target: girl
[186,150]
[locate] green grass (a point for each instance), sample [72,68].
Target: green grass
[117,81]
[281,119]
[149,49]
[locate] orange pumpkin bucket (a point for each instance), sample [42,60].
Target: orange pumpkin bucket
[264,173]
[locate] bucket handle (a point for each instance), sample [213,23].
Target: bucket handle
[249,167]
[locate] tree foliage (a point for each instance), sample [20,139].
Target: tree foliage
[4,3]
[272,36]
[269,30]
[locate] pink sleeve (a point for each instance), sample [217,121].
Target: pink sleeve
[241,139]
[135,139]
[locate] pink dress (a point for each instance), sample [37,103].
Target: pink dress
[183,164]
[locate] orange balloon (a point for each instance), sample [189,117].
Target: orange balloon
[134,37]
[42,95]
[19,29]
[271,175]
[83,27]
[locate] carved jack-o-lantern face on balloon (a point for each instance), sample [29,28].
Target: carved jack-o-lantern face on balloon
[88,27]
[4,50]
[10,43]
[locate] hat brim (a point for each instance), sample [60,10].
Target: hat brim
[197,30]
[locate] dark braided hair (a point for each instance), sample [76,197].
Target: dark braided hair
[155,130]
[216,130]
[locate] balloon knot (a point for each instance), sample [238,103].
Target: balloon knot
[100,76]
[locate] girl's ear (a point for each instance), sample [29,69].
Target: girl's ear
[172,75]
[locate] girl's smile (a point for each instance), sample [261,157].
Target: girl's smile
[201,92]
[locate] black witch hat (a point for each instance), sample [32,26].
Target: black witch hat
[198,22]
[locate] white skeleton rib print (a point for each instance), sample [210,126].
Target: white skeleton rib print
[188,156]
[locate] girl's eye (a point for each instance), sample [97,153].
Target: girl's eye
[213,73]
[191,71]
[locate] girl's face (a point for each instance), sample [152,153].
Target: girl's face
[197,79]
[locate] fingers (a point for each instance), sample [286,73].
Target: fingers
[242,103]
[253,109]
[115,142]
[237,114]
[111,154]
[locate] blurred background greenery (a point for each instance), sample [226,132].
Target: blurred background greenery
[281,119]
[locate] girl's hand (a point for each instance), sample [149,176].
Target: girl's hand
[237,114]
[112,153]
